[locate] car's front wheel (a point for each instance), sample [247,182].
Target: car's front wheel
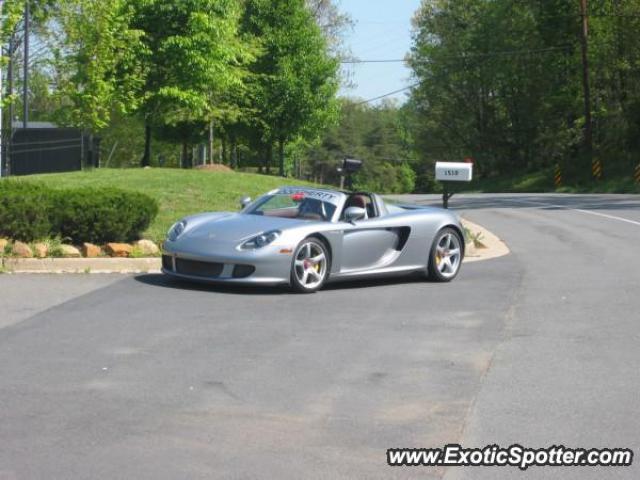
[310,266]
[445,256]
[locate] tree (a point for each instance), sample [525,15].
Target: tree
[496,82]
[195,59]
[333,23]
[502,81]
[294,80]
[98,56]
[375,134]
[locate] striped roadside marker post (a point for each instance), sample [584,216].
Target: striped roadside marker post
[557,176]
[636,174]
[596,168]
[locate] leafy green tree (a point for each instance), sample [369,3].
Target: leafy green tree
[294,80]
[379,136]
[502,81]
[195,59]
[485,72]
[98,56]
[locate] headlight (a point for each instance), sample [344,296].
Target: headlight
[261,240]
[176,230]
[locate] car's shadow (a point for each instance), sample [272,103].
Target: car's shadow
[164,281]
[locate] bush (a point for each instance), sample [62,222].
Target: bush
[104,215]
[25,210]
[30,212]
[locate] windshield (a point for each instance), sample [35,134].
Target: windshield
[297,205]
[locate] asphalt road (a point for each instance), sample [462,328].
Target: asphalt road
[142,377]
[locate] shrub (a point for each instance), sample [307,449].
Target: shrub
[104,215]
[25,210]
[29,212]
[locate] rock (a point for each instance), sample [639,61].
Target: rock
[21,250]
[90,250]
[147,247]
[69,251]
[118,249]
[3,244]
[41,250]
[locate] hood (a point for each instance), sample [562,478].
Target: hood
[233,227]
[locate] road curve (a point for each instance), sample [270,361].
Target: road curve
[142,377]
[567,370]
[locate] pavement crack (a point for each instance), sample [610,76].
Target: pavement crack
[508,321]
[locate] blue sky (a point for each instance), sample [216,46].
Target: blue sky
[382,31]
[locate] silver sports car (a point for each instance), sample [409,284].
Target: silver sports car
[306,237]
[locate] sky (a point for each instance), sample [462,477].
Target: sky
[382,30]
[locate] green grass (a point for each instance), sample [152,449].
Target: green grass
[178,192]
[542,182]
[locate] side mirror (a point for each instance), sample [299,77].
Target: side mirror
[244,202]
[353,214]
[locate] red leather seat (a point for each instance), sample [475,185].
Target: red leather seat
[357,201]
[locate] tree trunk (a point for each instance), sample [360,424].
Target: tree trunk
[234,153]
[224,150]
[185,155]
[269,157]
[281,156]
[146,157]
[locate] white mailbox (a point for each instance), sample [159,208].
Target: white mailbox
[454,171]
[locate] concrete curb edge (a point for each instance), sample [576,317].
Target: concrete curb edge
[82,265]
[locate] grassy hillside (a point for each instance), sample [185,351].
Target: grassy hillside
[179,192]
[542,181]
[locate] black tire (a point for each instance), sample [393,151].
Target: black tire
[435,271]
[317,274]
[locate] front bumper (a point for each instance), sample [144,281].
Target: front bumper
[262,267]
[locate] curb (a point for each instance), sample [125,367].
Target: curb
[82,265]
[495,247]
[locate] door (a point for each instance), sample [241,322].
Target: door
[368,245]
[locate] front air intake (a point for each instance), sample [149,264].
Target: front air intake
[243,271]
[196,268]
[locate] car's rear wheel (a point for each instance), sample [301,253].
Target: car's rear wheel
[310,266]
[445,256]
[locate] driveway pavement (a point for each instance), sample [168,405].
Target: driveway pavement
[142,377]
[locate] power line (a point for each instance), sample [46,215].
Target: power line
[462,57]
[388,94]
[469,55]
[395,60]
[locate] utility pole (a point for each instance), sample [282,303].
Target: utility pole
[8,146]
[10,79]
[25,86]
[588,127]
[2,136]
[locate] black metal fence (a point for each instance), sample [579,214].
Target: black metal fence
[48,150]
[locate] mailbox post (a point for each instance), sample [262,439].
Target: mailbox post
[448,172]
[348,168]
